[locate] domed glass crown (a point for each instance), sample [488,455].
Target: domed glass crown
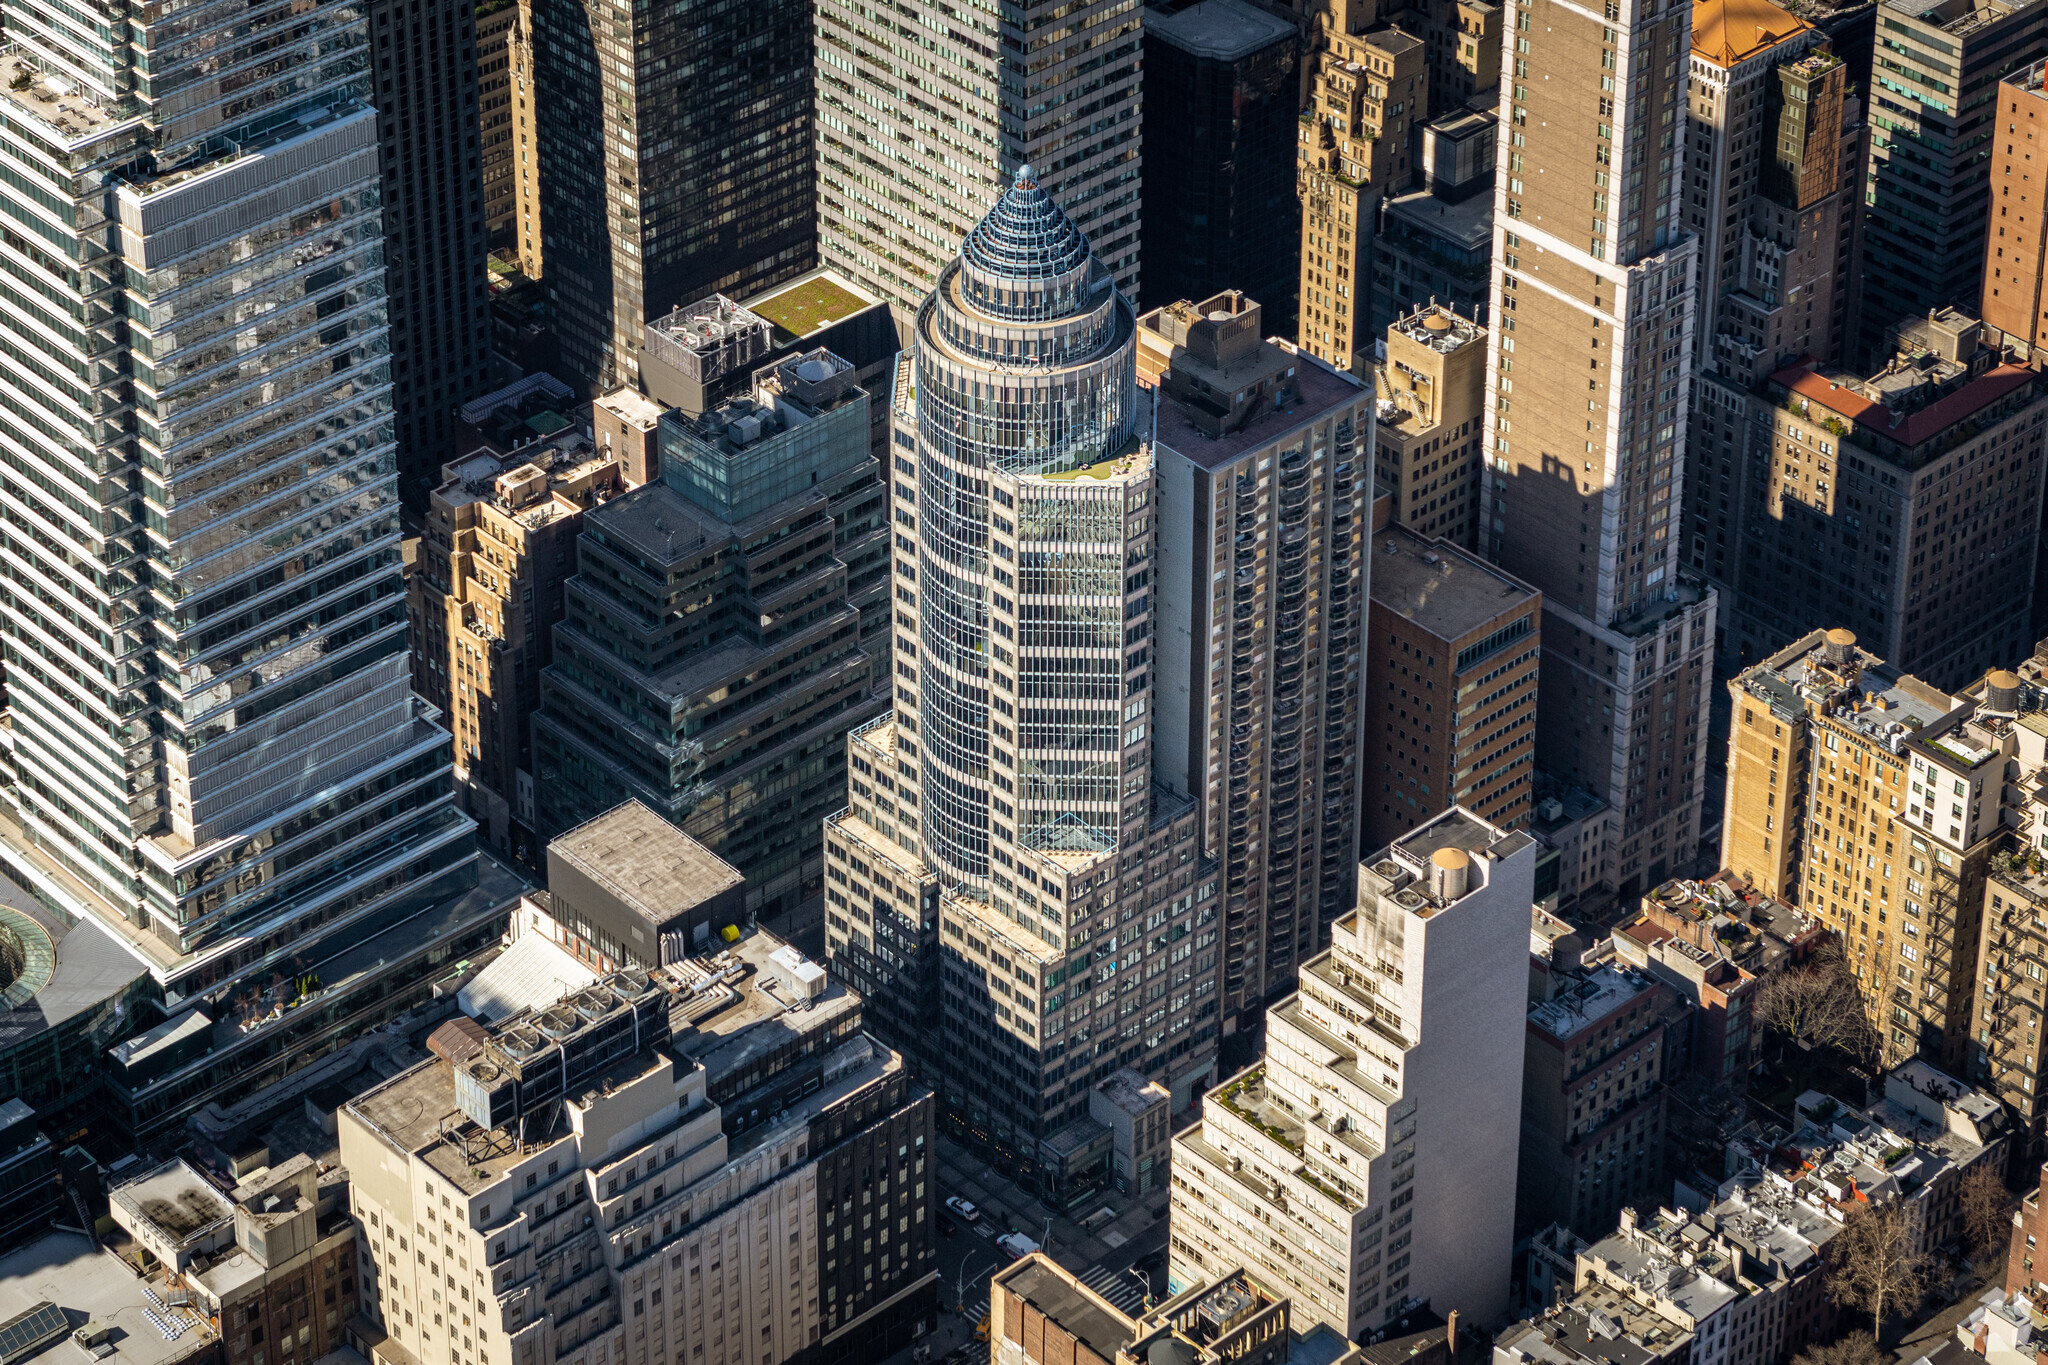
[1025,259]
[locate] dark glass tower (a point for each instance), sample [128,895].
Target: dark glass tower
[434,237]
[1220,123]
[675,162]
[709,660]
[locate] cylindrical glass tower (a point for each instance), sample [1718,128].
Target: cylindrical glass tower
[1030,566]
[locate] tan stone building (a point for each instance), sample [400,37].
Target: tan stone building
[1593,309]
[504,55]
[1769,191]
[583,1185]
[1450,711]
[1432,415]
[1370,87]
[499,543]
[624,424]
[496,21]
[1873,802]
[1463,42]
[1904,505]
[270,1267]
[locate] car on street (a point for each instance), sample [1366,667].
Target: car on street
[948,1228]
[968,1213]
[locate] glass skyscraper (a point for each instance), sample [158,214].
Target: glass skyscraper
[673,144]
[920,118]
[212,750]
[1004,820]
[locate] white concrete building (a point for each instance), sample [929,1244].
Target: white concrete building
[585,1188]
[1369,1161]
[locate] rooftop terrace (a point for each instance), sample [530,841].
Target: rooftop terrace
[89,1285]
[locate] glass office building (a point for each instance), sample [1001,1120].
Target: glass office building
[211,747]
[921,119]
[1005,837]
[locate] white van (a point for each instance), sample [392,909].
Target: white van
[1016,1245]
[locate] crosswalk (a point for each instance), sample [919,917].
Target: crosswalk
[1118,1286]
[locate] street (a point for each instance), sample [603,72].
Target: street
[1102,1257]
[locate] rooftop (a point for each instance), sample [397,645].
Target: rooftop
[1668,1261]
[417,1112]
[1752,929]
[535,484]
[539,389]
[1547,931]
[97,1286]
[2029,78]
[1572,804]
[1441,588]
[1439,328]
[1222,30]
[1855,688]
[1679,593]
[710,326]
[66,969]
[1766,1220]
[764,1012]
[1319,390]
[1040,1282]
[176,1200]
[649,865]
[1956,17]
[1583,999]
[1607,1330]
[633,408]
[1133,1092]
[54,101]
[1467,223]
[1878,403]
[804,305]
[1405,872]
[1726,32]
[531,973]
[659,523]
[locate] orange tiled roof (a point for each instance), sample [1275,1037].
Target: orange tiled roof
[1726,31]
[1911,430]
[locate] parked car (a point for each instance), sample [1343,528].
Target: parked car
[968,1213]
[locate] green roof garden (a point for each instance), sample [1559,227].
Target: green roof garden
[806,306]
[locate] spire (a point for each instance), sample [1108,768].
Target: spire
[1025,237]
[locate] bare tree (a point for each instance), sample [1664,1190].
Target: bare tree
[1857,1348]
[1820,1003]
[1872,1266]
[1987,1214]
